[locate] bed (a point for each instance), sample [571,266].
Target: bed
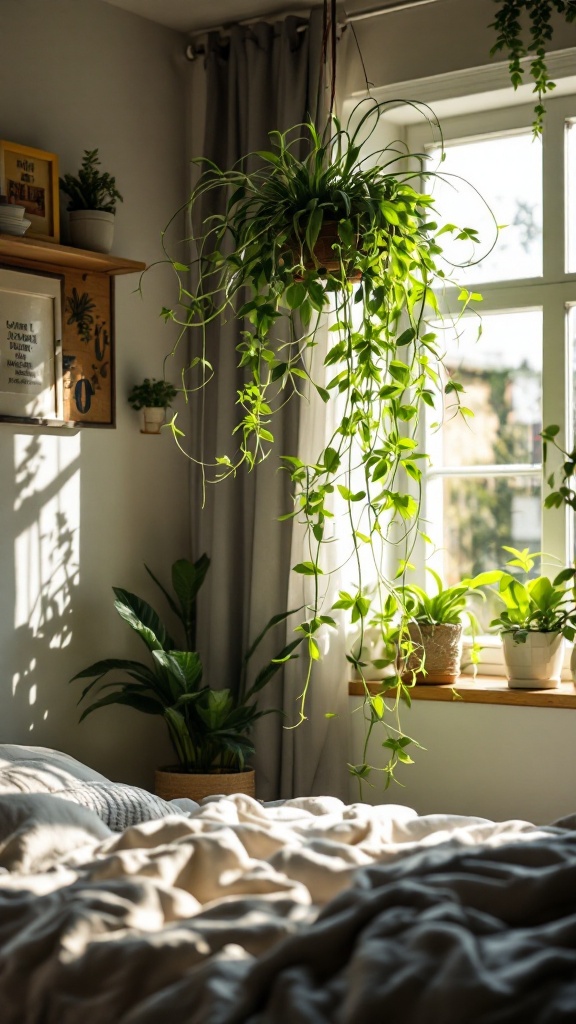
[119,908]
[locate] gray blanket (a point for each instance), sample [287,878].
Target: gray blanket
[303,912]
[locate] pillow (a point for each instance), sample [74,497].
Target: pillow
[43,770]
[61,764]
[119,806]
[36,830]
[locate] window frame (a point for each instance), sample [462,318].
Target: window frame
[472,105]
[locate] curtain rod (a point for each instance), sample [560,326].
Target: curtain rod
[194,50]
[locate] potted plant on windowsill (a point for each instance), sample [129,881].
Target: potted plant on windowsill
[209,728]
[432,638]
[153,397]
[92,197]
[538,615]
[258,262]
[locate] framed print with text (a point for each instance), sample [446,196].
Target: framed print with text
[29,178]
[31,347]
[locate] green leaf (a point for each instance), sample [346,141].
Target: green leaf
[307,569]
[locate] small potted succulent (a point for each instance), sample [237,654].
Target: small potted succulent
[92,197]
[537,617]
[153,397]
[432,639]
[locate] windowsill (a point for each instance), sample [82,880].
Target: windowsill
[481,690]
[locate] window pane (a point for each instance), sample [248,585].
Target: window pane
[507,173]
[502,377]
[481,515]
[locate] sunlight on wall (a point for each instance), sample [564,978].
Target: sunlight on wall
[46,553]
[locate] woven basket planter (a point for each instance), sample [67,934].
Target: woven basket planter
[441,647]
[170,783]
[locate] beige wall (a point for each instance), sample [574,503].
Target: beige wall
[81,512]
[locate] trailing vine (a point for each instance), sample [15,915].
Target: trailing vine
[377,279]
[512,41]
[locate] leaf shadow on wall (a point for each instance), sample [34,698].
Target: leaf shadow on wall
[40,540]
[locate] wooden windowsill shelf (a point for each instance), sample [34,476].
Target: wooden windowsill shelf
[32,252]
[482,690]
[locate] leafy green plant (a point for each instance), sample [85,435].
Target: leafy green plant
[447,605]
[378,277]
[209,729]
[537,604]
[565,493]
[517,43]
[152,394]
[91,189]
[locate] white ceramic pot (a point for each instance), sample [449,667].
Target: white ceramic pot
[154,419]
[92,230]
[535,664]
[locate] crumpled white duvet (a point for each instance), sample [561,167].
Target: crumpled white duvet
[303,912]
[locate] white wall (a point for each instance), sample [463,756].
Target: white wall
[80,513]
[495,761]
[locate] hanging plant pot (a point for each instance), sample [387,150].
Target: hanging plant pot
[170,783]
[535,664]
[154,419]
[439,647]
[326,260]
[92,230]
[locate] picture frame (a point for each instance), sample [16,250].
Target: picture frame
[31,384]
[29,177]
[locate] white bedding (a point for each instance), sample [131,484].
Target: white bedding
[303,912]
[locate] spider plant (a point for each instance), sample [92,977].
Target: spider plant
[377,280]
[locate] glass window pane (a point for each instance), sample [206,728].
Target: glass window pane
[481,515]
[502,377]
[506,171]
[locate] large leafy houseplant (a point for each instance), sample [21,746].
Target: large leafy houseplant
[376,277]
[209,728]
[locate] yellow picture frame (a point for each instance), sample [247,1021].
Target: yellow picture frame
[29,177]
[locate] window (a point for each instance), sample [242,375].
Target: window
[485,486]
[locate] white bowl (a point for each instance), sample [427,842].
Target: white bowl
[11,211]
[14,227]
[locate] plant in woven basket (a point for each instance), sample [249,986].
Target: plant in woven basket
[431,640]
[209,728]
[378,277]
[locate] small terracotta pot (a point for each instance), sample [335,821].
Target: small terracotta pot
[170,783]
[440,647]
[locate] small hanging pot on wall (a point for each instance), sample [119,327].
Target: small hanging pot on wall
[153,397]
[154,419]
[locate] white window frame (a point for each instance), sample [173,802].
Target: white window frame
[480,102]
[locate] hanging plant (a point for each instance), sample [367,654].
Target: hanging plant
[377,277]
[516,45]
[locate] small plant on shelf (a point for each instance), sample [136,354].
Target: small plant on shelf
[91,189]
[152,394]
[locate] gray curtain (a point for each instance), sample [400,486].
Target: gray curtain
[263,77]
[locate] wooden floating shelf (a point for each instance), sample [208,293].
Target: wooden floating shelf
[33,251]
